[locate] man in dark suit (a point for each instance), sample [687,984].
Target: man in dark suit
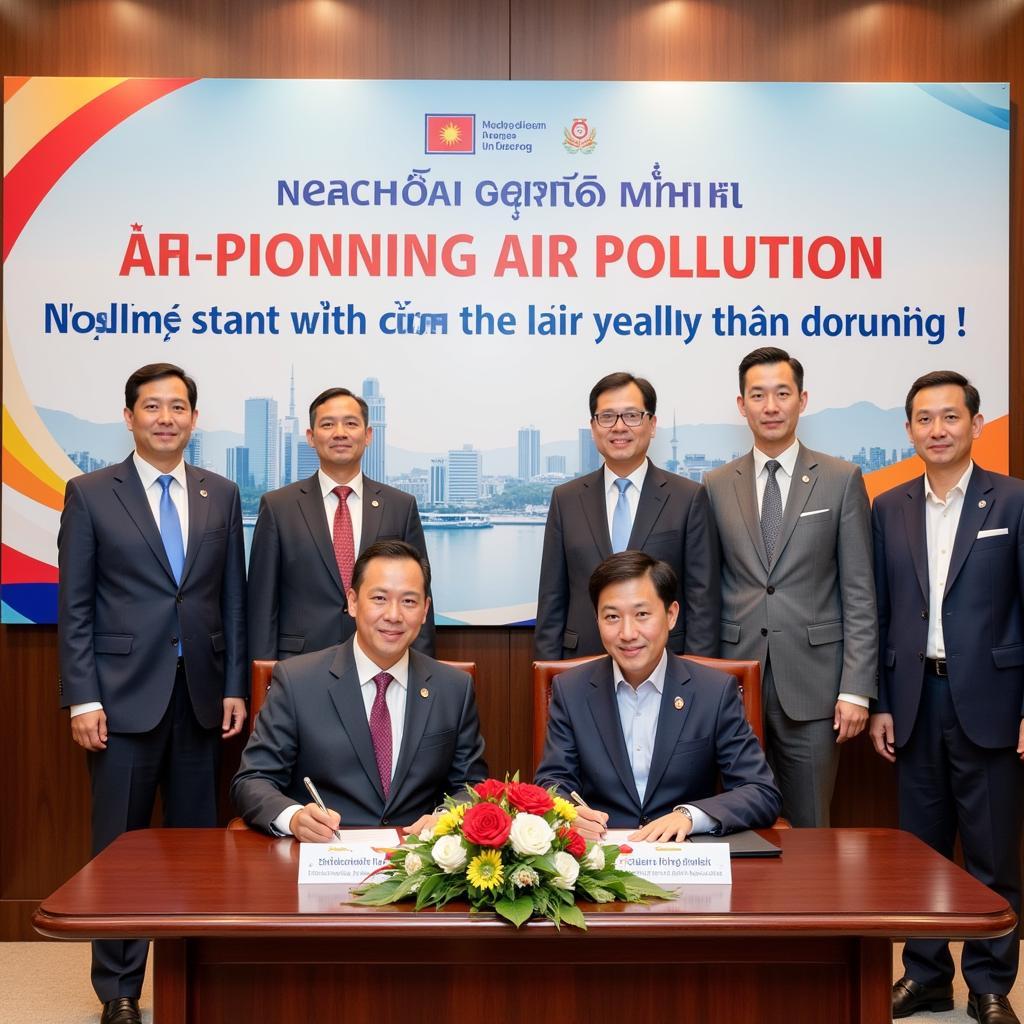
[628,503]
[151,633]
[797,590]
[309,534]
[643,736]
[949,571]
[383,732]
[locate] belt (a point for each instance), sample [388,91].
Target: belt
[936,667]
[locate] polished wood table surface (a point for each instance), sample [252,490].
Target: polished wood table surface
[805,936]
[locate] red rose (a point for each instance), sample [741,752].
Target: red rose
[490,789]
[486,825]
[532,799]
[574,842]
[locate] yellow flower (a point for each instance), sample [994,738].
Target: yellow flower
[485,871]
[564,809]
[450,820]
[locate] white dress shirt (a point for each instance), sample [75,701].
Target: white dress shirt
[355,506]
[638,715]
[395,697]
[611,492]
[149,475]
[784,477]
[941,519]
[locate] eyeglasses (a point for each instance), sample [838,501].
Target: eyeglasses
[608,419]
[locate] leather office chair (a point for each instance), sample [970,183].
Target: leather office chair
[262,673]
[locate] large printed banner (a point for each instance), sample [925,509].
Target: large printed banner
[471,257]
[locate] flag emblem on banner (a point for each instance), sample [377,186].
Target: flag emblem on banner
[450,133]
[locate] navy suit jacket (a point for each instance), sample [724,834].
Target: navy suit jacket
[982,607]
[120,613]
[709,737]
[673,523]
[296,601]
[314,723]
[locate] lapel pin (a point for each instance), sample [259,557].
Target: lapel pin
[203,493]
[375,503]
[424,692]
[982,503]
[679,703]
[806,479]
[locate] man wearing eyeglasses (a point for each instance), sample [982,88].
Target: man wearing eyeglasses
[628,504]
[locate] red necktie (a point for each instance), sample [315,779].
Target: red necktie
[344,545]
[380,730]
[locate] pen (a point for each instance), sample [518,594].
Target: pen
[577,799]
[316,796]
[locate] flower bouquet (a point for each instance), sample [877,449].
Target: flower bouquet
[510,848]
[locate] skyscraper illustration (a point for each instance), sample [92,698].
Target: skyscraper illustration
[375,456]
[529,452]
[291,433]
[589,457]
[464,476]
[261,437]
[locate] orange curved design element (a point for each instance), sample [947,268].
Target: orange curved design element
[32,177]
[991,450]
[19,478]
[12,83]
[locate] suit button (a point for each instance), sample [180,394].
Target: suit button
[771,590]
[924,613]
[920,655]
[178,598]
[764,631]
[174,641]
[385,821]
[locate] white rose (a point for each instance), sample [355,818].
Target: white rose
[413,862]
[568,868]
[427,834]
[595,858]
[449,854]
[531,835]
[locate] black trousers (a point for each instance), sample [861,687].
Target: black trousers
[180,759]
[950,786]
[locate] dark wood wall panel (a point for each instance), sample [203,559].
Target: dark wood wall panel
[45,791]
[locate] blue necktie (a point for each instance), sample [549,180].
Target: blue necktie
[170,532]
[622,525]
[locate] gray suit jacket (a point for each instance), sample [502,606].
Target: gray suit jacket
[121,614]
[814,607]
[296,601]
[672,523]
[314,723]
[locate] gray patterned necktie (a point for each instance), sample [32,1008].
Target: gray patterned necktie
[771,509]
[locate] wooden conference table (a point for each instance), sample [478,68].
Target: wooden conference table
[802,937]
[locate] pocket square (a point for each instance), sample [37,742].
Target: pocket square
[982,534]
[816,512]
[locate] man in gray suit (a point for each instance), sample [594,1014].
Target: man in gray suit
[383,731]
[797,585]
[309,533]
[627,504]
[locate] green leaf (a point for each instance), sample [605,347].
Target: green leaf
[425,893]
[574,916]
[517,911]
[595,893]
[379,895]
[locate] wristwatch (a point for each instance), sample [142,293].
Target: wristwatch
[684,810]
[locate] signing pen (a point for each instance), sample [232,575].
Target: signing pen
[316,797]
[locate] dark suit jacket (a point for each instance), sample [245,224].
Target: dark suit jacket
[672,523]
[982,608]
[707,738]
[296,600]
[314,723]
[121,613]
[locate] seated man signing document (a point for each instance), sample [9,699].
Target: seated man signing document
[642,736]
[383,731]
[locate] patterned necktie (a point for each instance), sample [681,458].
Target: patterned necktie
[170,533]
[621,524]
[771,509]
[344,545]
[380,730]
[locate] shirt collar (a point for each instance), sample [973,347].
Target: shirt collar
[149,474]
[636,478]
[656,679]
[327,485]
[960,485]
[366,669]
[787,460]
